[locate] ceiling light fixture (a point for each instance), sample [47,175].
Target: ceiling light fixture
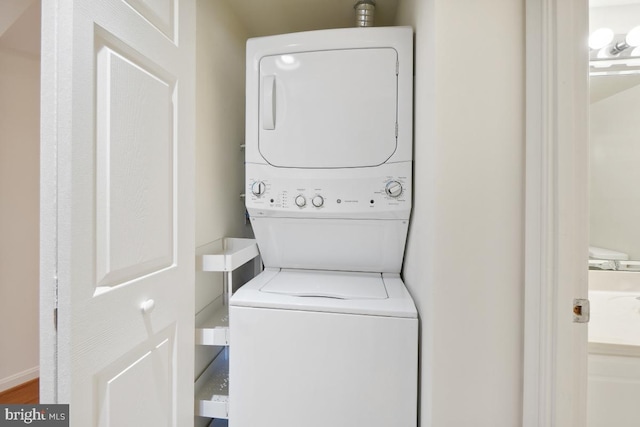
[631,40]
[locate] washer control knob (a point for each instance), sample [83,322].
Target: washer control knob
[317,201]
[393,188]
[301,201]
[258,188]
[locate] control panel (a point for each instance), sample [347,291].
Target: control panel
[367,194]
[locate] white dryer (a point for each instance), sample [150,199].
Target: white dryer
[327,334]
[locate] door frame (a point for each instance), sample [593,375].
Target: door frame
[556,212]
[49,134]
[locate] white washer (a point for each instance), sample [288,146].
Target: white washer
[327,335]
[348,358]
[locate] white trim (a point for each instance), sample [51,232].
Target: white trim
[49,130]
[554,392]
[537,366]
[19,378]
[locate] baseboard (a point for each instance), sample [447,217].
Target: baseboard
[19,378]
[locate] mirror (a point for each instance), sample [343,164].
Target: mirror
[614,188]
[614,149]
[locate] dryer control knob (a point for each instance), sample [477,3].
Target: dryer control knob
[301,201]
[317,201]
[393,188]
[258,188]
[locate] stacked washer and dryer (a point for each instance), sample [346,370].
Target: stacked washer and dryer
[327,334]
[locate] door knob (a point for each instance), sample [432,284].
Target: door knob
[148,306]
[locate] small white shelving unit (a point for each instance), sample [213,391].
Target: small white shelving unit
[212,387]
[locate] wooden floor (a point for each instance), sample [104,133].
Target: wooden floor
[26,393]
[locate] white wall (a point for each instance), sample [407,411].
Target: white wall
[220,81]
[464,259]
[614,199]
[220,71]
[19,220]
[620,18]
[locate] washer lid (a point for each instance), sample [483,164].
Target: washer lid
[395,302]
[327,284]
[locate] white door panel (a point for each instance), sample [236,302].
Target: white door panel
[118,116]
[148,368]
[159,13]
[135,168]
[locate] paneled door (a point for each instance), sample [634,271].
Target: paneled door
[117,241]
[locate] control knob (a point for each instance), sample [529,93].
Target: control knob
[301,201]
[317,201]
[393,188]
[258,188]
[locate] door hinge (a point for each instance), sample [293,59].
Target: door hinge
[396,129]
[55,304]
[397,67]
[581,310]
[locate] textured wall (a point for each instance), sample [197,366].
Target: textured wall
[19,216]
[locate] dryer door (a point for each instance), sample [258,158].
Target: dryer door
[328,109]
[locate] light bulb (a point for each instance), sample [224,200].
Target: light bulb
[633,37]
[600,38]
[603,53]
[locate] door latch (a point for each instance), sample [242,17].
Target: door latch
[581,310]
